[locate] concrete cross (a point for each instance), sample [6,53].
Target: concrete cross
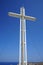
[22,47]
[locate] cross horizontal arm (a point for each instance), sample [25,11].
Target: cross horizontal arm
[20,15]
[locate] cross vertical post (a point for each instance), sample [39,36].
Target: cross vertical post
[23,54]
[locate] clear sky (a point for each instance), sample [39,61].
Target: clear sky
[9,30]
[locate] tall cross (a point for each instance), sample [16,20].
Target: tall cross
[22,47]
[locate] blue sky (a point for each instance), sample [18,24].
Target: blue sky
[9,30]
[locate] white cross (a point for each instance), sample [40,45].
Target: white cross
[23,49]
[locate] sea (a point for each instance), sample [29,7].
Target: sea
[8,63]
